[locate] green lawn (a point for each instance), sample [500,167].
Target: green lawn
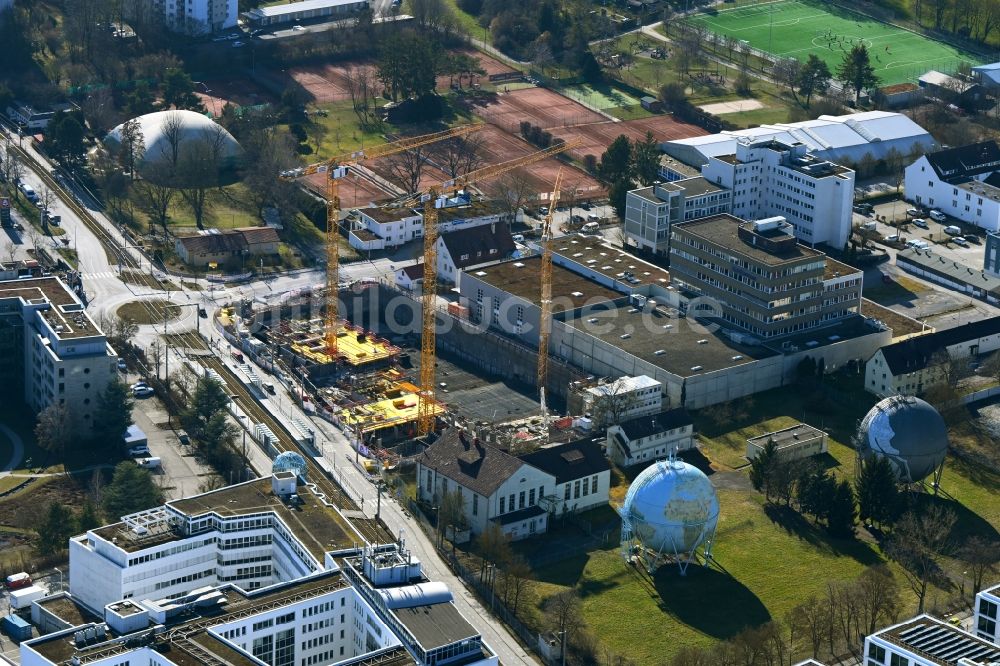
[798,28]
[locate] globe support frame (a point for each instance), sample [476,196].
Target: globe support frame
[653,559]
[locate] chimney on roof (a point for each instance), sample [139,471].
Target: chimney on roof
[462,438]
[493,228]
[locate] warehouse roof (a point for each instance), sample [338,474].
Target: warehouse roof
[296,7]
[826,133]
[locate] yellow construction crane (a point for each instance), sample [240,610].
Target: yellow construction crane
[433,200]
[337,168]
[545,321]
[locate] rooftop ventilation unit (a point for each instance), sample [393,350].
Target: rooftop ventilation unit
[738,357]
[703,341]
[660,352]
[696,368]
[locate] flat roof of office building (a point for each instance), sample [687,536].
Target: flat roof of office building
[318,527]
[940,642]
[436,625]
[60,648]
[523,277]
[67,610]
[678,345]
[722,230]
[611,262]
[66,310]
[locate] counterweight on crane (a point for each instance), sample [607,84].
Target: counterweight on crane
[336,168]
[433,200]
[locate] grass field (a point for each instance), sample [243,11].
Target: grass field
[795,28]
[604,97]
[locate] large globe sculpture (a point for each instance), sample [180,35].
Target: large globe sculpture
[670,511]
[909,433]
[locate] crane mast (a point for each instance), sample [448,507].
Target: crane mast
[545,322]
[433,201]
[336,168]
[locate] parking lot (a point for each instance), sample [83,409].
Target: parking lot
[940,242]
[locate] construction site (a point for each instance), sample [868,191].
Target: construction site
[388,391]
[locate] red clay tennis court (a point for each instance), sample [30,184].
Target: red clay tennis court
[355,191]
[327,83]
[215,94]
[539,106]
[596,137]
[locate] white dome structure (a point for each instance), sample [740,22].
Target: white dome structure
[670,512]
[172,137]
[909,433]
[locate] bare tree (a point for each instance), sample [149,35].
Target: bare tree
[564,613]
[53,430]
[877,596]
[515,581]
[451,512]
[493,547]
[406,168]
[459,155]
[156,193]
[172,130]
[920,542]
[514,191]
[811,619]
[981,556]
[616,400]
[10,250]
[362,84]
[156,353]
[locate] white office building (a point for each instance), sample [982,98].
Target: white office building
[961,182]
[986,622]
[648,438]
[51,350]
[388,227]
[622,399]
[928,641]
[649,211]
[260,573]
[770,178]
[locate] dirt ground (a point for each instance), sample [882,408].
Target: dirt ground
[355,192]
[26,509]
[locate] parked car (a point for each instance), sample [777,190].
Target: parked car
[27,190]
[937,216]
[202,313]
[143,392]
[139,384]
[913,212]
[138,451]
[122,367]
[298,28]
[973,239]
[958,240]
[952,230]
[183,438]
[894,238]
[920,222]
[152,462]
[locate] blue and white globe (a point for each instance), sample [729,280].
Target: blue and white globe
[909,433]
[671,508]
[290,461]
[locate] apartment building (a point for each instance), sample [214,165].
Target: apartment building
[961,182]
[388,227]
[769,178]
[912,366]
[51,352]
[196,17]
[762,279]
[650,211]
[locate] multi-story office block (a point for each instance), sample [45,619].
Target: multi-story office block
[649,211]
[196,17]
[761,278]
[769,178]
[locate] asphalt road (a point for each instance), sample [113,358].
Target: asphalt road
[106,293]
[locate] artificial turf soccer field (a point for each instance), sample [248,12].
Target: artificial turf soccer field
[794,29]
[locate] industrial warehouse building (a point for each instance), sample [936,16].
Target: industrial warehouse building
[51,351]
[302,10]
[841,139]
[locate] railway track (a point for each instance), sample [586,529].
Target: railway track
[371,531]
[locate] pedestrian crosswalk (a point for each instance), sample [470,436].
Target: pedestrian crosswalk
[102,275]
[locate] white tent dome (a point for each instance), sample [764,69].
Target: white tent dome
[170,136]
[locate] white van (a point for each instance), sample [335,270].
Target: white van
[152,462]
[937,216]
[953,230]
[590,227]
